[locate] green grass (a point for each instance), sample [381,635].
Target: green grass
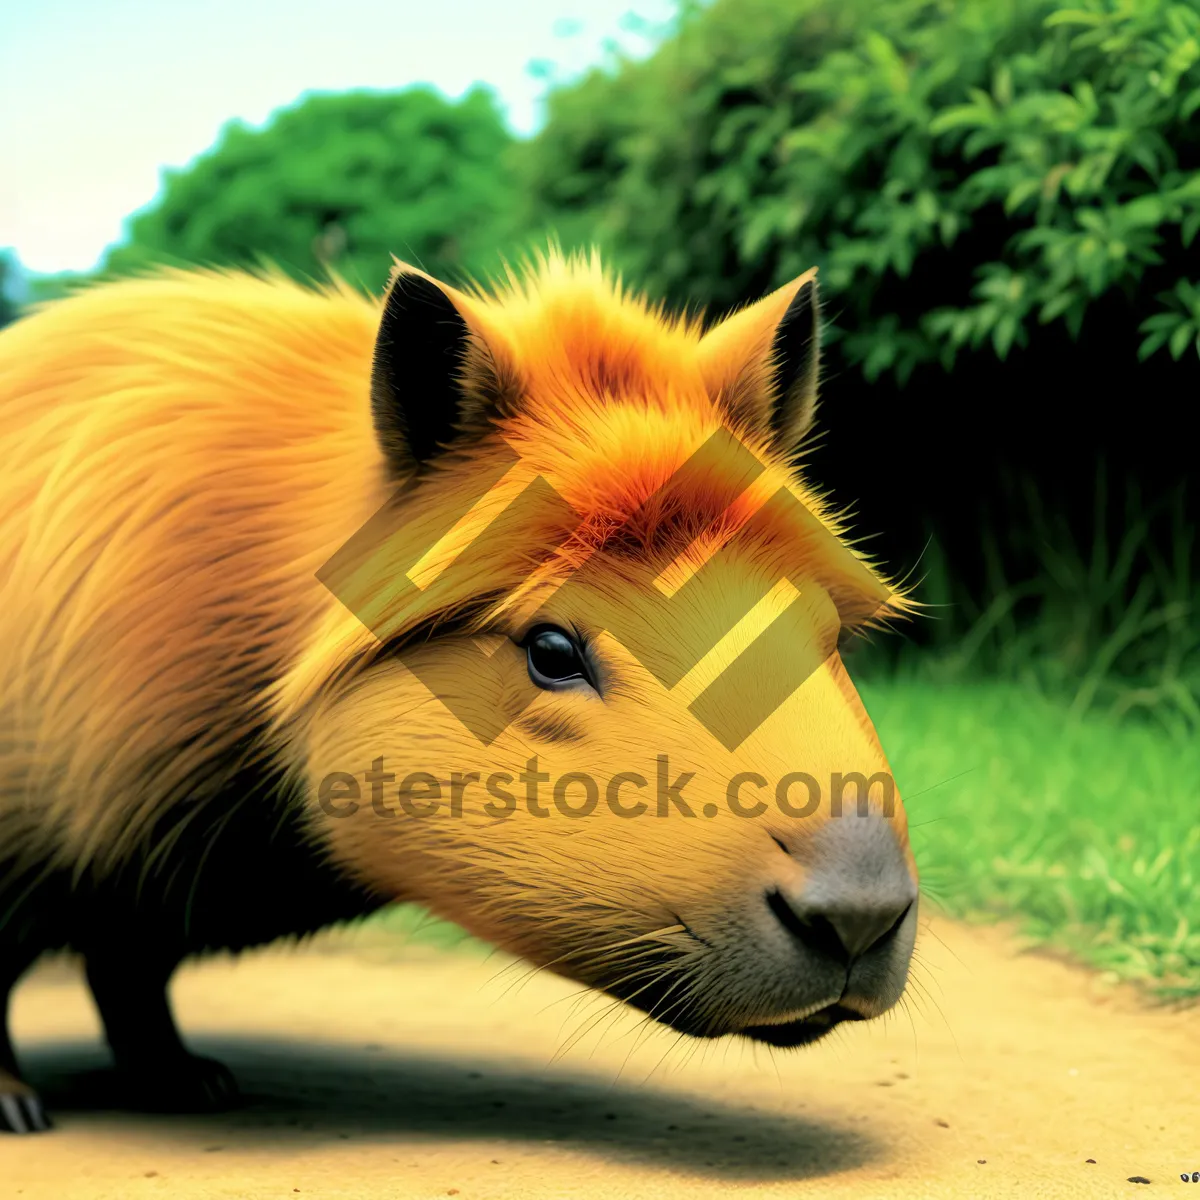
[412,923]
[1047,739]
[1086,829]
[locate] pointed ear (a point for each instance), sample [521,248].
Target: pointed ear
[435,374]
[762,362]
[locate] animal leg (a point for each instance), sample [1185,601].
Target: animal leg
[158,1069]
[21,1109]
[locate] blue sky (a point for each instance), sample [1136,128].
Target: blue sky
[96,96]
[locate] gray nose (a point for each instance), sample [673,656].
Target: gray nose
[857,893]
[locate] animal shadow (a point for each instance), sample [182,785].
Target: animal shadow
[306,1092]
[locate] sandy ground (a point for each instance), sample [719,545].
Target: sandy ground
[377,1072]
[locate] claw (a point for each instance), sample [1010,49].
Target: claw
[37,1114]
[22,1114]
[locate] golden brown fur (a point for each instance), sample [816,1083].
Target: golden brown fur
[184,454]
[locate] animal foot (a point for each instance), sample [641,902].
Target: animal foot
[21,1109]
[188,1084]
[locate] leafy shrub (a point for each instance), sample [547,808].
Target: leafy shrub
[961,170]
[975,179]
[343,180]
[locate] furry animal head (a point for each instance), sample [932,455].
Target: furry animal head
[581,691]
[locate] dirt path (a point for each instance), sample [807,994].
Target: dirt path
[377,1073]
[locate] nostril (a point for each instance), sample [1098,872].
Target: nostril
[815,931]
[840,934]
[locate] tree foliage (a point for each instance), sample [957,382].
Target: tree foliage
[344,180]
[962,171]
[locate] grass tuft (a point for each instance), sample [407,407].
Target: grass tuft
[1087,829]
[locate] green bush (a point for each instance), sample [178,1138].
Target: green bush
[961,170]
[341,180]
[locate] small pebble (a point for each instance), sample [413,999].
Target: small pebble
[1138,1179]
[452,1192]
[981,1160]
[943,1124]
[1091,1160]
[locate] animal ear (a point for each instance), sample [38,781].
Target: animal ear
[762,362]
[435,374]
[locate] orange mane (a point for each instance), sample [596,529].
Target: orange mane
[614,403]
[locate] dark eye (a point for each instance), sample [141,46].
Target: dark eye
[554,657]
